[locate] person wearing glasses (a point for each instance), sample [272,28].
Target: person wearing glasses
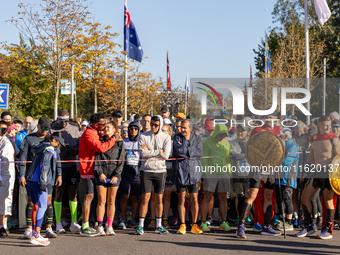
[155,146]
[26,154]
[138,118]
[336,127]
[89,145]
[70,172]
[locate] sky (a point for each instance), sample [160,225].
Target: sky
[206,39]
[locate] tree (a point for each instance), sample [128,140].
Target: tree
[54,32]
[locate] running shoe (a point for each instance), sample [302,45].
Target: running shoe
[88,232]
[237,220]
[306,231]
[195,229]
[39,240]
[165,223]
[288,227]
[152,224]
[75,227]
[161,230]
[64,222]
[122,224]
[132,223]
[210,220]
[325,234]
[4,232]
[28,233]
[50,233]
[257,227]
[276,220]
[248,220]
[241,231]
[269,231]
[110,232]
[204,227]
[225,226]
[60,229]
[101,231]
[182,229]
[174,221]
[139,231]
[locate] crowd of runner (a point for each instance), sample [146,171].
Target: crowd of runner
[156,169]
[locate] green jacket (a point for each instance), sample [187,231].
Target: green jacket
[213,147]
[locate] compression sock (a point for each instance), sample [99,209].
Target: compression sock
[100,222]
[141,222]
[29,209]
[329,218]
[49,214]
[73,209]
[158,222]
[109,222]
[268,216]
[244,213]
[57,210]
[307,216]
[37,232]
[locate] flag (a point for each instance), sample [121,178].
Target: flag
[251,77]
[131,43]
[268,62]
[322,10]
[186,89]
[168,73]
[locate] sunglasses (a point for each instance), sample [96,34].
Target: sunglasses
[154,125]
[45,128]
[63,121]
[335,126]
[125,131]
[102,124]
[133,128]
[138,120]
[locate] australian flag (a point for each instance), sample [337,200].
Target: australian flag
[131,41]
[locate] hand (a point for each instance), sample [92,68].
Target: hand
[59,181]
[102,178]
[22,181]
[161,150]
[144,147]
[0,183]
[114,180]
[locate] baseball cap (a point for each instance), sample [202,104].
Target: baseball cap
[117,112]
[245,127]
[84,123]
[209,124]
[164,108]
[180,115]
[167,121]
[44,122]
[336,122]
[59,139]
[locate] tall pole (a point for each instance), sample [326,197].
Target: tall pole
[265,70]
[75,98]
[186,96]
[324,88]
[72,92]
[307,57]
[125,89]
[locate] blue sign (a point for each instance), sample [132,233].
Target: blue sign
[4,93]
[66,87]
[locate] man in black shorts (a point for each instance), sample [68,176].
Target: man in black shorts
[187,145]
[70,172]
[154,147]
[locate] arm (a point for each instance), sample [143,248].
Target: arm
[146,153]
[45,166]
[120,164]
[180,147]
[166,149]
[336,146]
[23,157]
[97,145]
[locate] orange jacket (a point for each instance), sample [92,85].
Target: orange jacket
[88,146]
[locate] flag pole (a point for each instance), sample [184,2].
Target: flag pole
[186,97]
[125,79]
[265,69]
[307,57]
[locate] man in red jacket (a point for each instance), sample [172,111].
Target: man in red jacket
[88,146]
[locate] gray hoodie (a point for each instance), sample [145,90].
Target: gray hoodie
[155,143]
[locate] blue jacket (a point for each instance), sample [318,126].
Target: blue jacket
[288,174]
[187,172]
[20,136]
[44,165]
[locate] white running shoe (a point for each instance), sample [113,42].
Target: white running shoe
[50,233]
[110,232]
[64,223]
[60,228]
[39,241]
[75,227]
[101,231]
[28,233]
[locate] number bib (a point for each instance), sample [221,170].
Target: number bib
[132,158]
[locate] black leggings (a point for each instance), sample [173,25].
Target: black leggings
[316,203]
[287,195]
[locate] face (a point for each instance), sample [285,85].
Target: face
[43,131]
[63,123]
[100,126]
[27,122]
[336,129]
[83,127]
[110,129]
[178,127]
[7,118]
[133,130]
[18,125]
[185,129]
[268,120]
[165,130]
[165,114]
[55,143]
[325,127]
[117,119]
[298,132]
[241,133]
[146,123]
[154,126]
[209,133]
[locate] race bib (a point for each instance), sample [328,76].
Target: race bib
[132,158]
[168,164]
[243,168]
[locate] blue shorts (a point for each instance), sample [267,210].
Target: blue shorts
[131,187]
[106,184]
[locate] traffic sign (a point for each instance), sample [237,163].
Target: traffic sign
[4,93]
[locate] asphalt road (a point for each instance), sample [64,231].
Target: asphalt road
[215,242]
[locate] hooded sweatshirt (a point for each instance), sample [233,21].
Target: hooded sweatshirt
[213,147]
[154,142]
[131,166]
